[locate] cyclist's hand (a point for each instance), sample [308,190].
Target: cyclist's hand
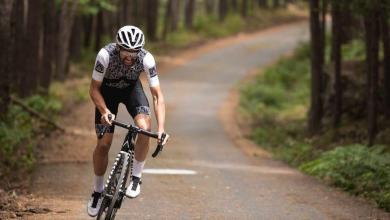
[165,140]
[105,119]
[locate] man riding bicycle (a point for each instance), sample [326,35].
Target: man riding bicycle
[115,79]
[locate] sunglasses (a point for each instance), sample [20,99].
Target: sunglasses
[128,52]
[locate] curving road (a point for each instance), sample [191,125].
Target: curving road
[228,184]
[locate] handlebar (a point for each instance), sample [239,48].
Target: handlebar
[159,147]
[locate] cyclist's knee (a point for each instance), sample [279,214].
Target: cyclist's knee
[145,126]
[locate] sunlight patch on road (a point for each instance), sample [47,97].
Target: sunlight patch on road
[169,171]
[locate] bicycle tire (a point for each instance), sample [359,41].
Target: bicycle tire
[123,165]
[110,188]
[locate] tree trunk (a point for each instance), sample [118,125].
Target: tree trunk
[99,30]
[34,26]
[18,31]
[5,48]
[234,5]
[171,17]
[336,50]
[244,9]
[88,25]
[316,68]
[65,28]
[75,40]
[189,13]
[386,61]
[49,39]
[151,19]
[371,22]
[263,3]
[276,3]
[209,6]
[223,9]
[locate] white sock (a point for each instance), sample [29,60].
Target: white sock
[99,184]
[137,168]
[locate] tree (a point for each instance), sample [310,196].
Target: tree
[336,55]
[244,8]
[316,68]
[386,60]
[5,47]
[151,19]
[371,22]
[263,3]
[33,64]
[49,44]
[68,11]
[209,6]
[223,9]
[189,13]
[171,18]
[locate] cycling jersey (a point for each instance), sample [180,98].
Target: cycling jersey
[121,84]
[110,69]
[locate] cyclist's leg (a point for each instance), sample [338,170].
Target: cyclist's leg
[138,106]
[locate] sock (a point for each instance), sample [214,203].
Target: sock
[137,168]
[99,184]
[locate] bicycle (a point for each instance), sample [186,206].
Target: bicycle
[115,188]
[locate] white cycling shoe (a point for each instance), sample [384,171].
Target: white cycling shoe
[134,188]
[94,204]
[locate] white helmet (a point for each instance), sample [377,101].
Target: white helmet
[130,37]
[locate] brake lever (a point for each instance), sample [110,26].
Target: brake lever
[159,147]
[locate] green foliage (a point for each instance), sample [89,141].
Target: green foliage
[18,127]
[93,6]
[354,50]
[357,169]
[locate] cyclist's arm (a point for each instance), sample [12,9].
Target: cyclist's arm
[96,96]
[159,107]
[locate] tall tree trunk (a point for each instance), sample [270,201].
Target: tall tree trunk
[75,40]
[223,9]
[151,19]
[49,38]
[5,48]
[65,29]
[244,9]
[386,60]
[371,22]
[316,68]
[99,29]
[336,50]
[18,31]
[276,3]
[234,5]
[34,26]
[263,3]
[209,6]
[88,25]
[171,17]
[189,13]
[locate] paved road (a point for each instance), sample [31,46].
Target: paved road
[228,183]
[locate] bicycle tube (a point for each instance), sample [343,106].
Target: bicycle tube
[111,211]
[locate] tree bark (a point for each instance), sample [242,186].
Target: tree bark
[65,28]
[316,69]
[99,29]
[151,19]
[75,40]
[171,18]
[88,26]
[5,48]
[371,22]
[223,9]
[386,61]
[336,50]
[189,13]
[49,38]
[18,31]
[263,3]
[244,9]
[29,82]
[209,6]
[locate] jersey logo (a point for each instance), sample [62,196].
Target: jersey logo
[153,72]
[99,67]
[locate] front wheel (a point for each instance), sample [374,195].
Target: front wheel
[115,188]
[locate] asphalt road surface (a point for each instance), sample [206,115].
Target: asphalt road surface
[225,183]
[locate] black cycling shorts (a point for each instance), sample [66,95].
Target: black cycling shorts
[133,98]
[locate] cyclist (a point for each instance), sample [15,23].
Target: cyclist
[115,79]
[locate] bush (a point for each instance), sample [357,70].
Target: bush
[357,169]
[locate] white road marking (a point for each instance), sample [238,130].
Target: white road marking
[169,171]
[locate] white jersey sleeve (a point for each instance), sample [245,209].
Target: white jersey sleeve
[101,64]
[150,70]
